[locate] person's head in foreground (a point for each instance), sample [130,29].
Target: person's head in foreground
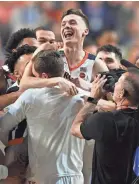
[48,64]
[74,26]
[126,91]
[18,60]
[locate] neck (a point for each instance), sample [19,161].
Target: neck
[124,104]
[74,53]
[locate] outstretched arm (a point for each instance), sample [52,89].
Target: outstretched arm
[28,81]
[88,107]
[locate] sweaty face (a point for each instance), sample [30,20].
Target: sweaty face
[29,41]
[73,28]
[21,65]
[109,59]
[45,36]
[118,90]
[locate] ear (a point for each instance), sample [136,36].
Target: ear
[44,75]
[17,75]
[121,94]
[86,32]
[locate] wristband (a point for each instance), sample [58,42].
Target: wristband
[92,100]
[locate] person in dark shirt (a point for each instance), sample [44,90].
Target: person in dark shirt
[112,57]
[115,133]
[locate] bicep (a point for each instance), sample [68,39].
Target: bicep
[99,126]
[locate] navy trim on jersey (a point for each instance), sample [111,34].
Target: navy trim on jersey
[91,56]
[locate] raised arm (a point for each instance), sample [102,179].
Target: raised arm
[88,107]
[28,81]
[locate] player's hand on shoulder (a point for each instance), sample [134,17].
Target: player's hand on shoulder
[68,87]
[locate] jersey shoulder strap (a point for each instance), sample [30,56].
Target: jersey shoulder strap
[91,56]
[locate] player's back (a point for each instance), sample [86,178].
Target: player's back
[53,151]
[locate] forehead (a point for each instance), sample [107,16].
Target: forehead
[72,17]
[104,54]
[40,33]
[29,41]
[25,58]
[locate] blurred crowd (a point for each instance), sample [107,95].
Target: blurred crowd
[113,22]
[87,70]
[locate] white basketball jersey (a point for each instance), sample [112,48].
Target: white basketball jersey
[83,69]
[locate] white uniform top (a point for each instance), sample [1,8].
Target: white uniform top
[83,69]
[53,151]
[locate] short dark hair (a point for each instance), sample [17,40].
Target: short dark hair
[50,62]
[16,38]
[131,86]
[12,58]
[111,48]
[77,12]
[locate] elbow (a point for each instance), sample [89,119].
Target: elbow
[75,131]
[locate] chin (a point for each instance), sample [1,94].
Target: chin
[68,41]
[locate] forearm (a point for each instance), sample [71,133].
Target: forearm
[32,82]
[105,105]
[80,118]
[8,99]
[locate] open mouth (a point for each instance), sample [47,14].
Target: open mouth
[68,34]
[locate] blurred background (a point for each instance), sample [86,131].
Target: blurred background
[113,22]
